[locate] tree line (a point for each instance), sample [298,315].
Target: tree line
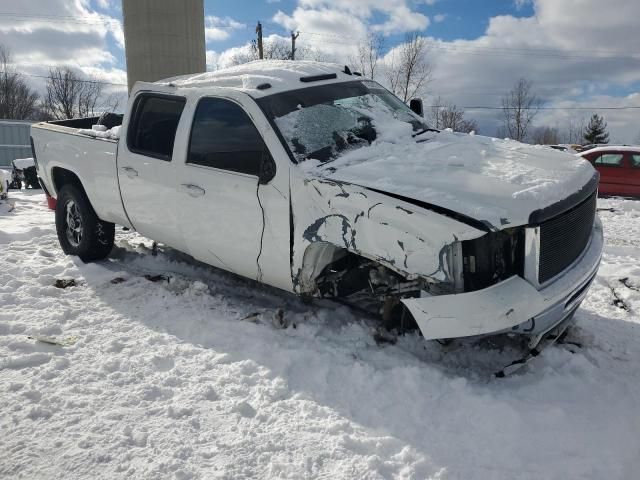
[68,94]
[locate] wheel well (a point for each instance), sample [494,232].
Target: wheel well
[320,258]
[62,177]
[368,285]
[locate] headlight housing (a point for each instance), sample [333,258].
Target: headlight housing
[487,260]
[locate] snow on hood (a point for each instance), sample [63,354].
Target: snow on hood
[498,181]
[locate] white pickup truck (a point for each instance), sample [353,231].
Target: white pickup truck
[307,177]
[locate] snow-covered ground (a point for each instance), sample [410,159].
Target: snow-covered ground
[170,379]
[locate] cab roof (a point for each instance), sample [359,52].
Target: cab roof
[265,77]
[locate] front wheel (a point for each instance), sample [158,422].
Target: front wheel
[80,231]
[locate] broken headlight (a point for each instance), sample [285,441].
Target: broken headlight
[487,260]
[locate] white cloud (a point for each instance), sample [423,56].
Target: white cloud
[521,3]
[217,28]
[571,59]
[440,17]
[329,31]
[402,19]
[46,33]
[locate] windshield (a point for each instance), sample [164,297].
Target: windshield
[323,122]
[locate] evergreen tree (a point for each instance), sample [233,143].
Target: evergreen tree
[596,131]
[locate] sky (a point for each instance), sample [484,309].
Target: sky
[581,55]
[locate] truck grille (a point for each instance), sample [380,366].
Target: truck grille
[564,238]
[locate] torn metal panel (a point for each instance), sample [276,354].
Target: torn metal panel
[404,238]
[501,306]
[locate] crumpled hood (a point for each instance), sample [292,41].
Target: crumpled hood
[490,180]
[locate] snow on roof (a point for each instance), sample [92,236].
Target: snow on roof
[282,75]
[611,148]
[22,163]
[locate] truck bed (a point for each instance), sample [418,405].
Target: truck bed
[60,148]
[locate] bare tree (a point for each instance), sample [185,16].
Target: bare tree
[368,56]
[69,95]
[409,71]
[545,136]
[276,49]
[519,107]
[574,130]
[446,115]
[17,100]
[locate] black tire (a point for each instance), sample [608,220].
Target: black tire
[87,236]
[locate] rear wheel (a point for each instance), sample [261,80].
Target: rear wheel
[80,231]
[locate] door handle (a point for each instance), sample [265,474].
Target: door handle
[131,172]
[193,190]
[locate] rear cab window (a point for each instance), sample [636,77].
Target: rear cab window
[635,160]
[152,131]
[224,137]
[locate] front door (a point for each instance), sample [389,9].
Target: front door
[219,210]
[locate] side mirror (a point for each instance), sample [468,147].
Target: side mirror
[267,168]
[415,104]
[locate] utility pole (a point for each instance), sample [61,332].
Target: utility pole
[293,44]
[259,32]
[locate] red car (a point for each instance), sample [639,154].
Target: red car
[619,169]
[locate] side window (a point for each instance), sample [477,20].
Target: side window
[635,160]
[155,121]
[223,136]
[609,160]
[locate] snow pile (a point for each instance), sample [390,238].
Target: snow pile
[485,178]
[22,163]
[5,176]
[100,131]
[281,74]
[186,377]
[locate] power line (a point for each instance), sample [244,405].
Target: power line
[496,51]
[15,17]
[486,107]
[71,80]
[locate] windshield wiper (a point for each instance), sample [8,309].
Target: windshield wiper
[425,130]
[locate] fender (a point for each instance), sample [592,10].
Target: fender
[403,237]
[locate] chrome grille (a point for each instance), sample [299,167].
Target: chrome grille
[564,238]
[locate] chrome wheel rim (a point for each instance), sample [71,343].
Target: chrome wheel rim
[74,224]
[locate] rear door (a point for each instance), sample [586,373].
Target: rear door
[146,171]
[611,166]
[219,212]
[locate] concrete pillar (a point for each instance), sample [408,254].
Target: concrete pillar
[163,38]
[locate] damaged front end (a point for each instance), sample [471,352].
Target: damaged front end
[423,269]
[370,251]
[464,266]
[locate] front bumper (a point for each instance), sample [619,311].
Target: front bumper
[513,305]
